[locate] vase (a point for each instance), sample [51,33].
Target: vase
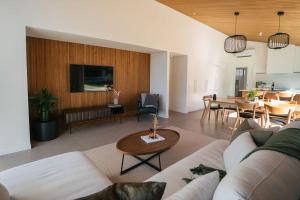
[116,101]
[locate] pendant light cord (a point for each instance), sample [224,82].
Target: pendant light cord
[235,24]
[279,24]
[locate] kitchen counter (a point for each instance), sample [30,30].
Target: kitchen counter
[245,92]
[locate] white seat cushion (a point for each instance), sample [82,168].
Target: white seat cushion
[237,150]
[202,188]
[66,176]
[210,155]
[263,175]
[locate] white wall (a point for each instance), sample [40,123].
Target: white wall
[14,127]
[283,81]
[159,80]
[257,70]
[255,64]
[144,23]
[178,84]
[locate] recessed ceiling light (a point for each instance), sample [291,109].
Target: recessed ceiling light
[260,34]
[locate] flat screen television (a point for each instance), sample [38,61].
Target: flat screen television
[84,78]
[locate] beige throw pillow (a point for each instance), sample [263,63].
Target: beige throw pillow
[201,188]
[237,150]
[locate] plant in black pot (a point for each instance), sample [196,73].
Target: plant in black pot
[44,103]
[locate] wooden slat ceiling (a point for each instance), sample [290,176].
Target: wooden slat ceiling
[255,16]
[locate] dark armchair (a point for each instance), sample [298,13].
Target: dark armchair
[147,104]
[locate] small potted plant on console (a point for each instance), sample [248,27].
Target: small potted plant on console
[45,128]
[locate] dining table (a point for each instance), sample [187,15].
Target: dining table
[224,102]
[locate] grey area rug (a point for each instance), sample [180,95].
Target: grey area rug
[108,159]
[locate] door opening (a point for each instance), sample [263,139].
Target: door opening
[240,80]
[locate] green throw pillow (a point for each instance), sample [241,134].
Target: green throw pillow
[247,125]
[260,136]
[130,191]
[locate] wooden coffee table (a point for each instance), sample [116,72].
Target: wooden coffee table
[134,146]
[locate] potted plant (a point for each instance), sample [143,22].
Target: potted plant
[252,94]
[44,103]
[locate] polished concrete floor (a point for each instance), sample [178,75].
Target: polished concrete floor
[94,135]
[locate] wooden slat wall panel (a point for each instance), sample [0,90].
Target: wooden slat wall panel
[48,66]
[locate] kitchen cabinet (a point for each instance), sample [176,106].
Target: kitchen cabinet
[281,61]
[297,60]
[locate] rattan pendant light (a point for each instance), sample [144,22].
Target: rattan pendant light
[235,43]
[279,40]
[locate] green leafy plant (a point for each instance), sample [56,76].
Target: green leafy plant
[44,103]
[252,94]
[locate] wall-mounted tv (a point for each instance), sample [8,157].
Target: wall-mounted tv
[85,78]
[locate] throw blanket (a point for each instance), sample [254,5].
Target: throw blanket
[286,142]
[202,170]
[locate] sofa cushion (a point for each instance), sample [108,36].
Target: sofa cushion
[260,136]
[248,125]
[201,188]
[237,150]
[4,195]
[129,191]
[210,155]
[263,175]
[65,176]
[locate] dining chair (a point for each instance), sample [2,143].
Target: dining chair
[297,98]
[209,107]
[280,114]
[246,110]
[285,96]
[297,111]
[268,96]
[230,108]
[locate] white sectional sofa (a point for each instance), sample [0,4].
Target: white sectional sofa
[264,175]
[66,176]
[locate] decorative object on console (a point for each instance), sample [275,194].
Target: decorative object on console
[116,95]
[279,40]
[235,43]
[44,103]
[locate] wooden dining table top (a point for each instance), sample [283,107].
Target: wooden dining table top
[261,103]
